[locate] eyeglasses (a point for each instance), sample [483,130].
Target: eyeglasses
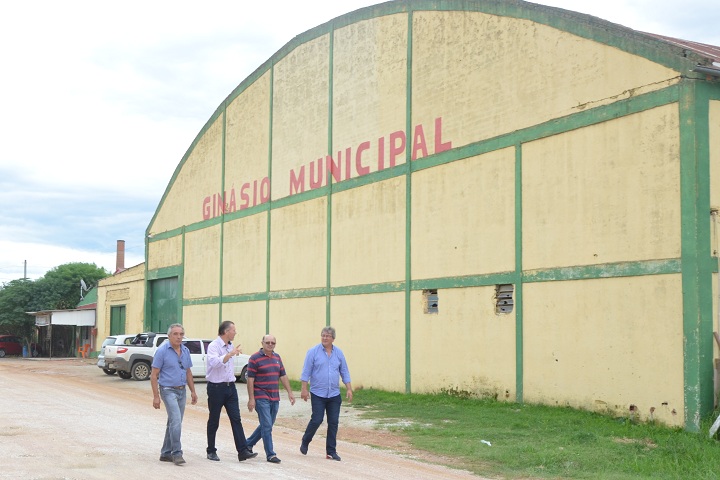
[269,343]
[181,365]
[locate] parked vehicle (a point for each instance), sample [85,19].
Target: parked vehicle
[134,360]
[112,340]
[10,345]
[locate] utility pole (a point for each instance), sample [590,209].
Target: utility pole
[25,271]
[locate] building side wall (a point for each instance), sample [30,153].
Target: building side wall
[466,346]
[601,343]
[127,289]
[298,251]
[463,217]
[202,263]
[201,321]
[490,75]
[245,255]
[165,253]
[300,128]
[714,127]
[368,234]
[247,145]
[369,86]
[605,193]
[249,320]
[372,324]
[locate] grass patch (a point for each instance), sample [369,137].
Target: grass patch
[534,441]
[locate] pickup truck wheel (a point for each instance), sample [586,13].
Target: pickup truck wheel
[124,375]
[2,353]
[243,375]
[141,371]
[109,371]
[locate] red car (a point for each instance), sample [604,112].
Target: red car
[10,345]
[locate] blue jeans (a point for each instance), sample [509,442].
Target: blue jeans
[174,400]
[320,405]
[267,411]
[224,395]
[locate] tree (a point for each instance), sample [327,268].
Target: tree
[16,298]
[59,288]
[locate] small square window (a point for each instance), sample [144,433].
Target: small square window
[503,299]
[430,301]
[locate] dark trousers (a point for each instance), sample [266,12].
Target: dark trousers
[224,395]
[320,406]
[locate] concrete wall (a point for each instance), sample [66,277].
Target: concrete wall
[127,289]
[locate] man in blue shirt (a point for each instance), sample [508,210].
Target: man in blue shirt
[324,366]
[170,374]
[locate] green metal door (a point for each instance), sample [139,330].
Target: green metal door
[163,303]
[117,320]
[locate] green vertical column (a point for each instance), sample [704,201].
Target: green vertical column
[518,277]
[408,208]
[695,253]
[222,218]
[328,178]
[269,210]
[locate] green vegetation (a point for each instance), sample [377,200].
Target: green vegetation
[532,441]
[58,289]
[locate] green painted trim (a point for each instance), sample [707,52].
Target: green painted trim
[268,240]
[301,197]
[181,280]
[245,212]
[249,297]
[329,180]
[298,293]
[464,281]
[695,246]
[146,288]
[214,300]
[222,215]
[165,272]
[518,280]
[165,235]
[605,270]
[407,169]
[617,270]
[369,289]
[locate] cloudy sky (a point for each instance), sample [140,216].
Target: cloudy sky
[99,101]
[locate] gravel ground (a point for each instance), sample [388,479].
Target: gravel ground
[66,419]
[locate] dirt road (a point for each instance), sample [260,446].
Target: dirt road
[65,419]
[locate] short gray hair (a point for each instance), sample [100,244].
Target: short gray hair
[175,325]
[329,330]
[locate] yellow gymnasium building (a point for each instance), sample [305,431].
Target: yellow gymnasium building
[497,197]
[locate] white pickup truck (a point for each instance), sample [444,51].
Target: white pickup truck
[135,360]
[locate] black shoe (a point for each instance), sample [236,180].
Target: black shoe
[245,454]
[274,459]
[213,456]
[178,460]
[166,458]
[333,456]
[303,448]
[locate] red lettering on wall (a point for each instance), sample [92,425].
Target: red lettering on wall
[395,147]
[359,168]
[206,208]
[297,182]
[439,145]
[316,167]
[419,142]
[381,153]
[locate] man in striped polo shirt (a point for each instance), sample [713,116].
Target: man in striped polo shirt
[264,372]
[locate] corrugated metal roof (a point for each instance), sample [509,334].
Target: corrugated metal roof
[709,51]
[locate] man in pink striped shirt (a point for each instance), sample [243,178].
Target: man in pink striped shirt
[265,372]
